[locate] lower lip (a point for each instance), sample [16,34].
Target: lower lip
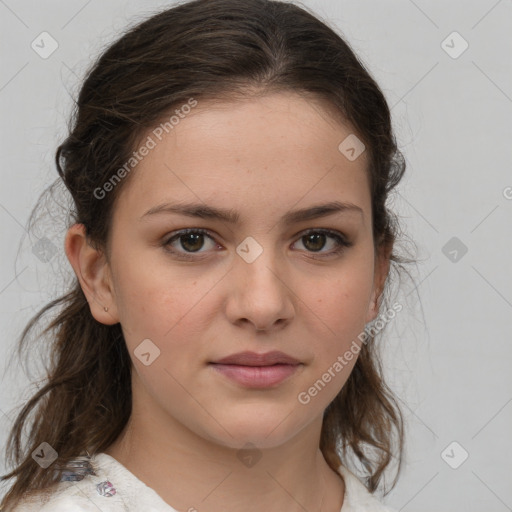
[257,376]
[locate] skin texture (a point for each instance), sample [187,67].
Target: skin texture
[262,157]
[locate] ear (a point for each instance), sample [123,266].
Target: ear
[92,271]
[382,264]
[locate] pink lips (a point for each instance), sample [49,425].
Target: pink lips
[257,370]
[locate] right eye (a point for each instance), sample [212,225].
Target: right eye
[190,240]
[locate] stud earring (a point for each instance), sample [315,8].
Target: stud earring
[105,309]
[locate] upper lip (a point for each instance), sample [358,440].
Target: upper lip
[255,359]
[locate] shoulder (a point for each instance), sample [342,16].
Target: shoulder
[86,487]
[68,498]
[92,484]
[56,504]
[357,497]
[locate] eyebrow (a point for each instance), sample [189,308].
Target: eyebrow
[204,211]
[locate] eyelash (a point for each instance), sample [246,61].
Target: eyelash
[342,243]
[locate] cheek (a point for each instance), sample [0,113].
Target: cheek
[341,302]
[166,305]
[336,314]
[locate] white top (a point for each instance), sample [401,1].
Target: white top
[115,489]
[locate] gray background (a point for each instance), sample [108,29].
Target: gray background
[448,355]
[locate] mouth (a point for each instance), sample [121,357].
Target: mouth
[253,370]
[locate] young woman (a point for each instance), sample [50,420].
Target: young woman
[229,163]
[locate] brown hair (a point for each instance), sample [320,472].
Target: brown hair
[202,49]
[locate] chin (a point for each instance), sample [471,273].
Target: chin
[264,430]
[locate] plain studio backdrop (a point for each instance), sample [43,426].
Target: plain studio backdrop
[445,68]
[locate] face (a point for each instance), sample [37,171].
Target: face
[265,281]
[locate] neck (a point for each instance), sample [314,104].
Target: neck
[190,472]
[206,482]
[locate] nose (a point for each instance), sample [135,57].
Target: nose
[260,294]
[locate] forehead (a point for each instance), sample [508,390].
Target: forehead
[269,151]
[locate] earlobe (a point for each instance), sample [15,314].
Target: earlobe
[92,272]
[373,309]
[381,272]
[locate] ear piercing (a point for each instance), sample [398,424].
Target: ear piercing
[105,309]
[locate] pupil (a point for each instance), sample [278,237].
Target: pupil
[316,237]
[192,236]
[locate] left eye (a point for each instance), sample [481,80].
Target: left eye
[192,240]
[316,240]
